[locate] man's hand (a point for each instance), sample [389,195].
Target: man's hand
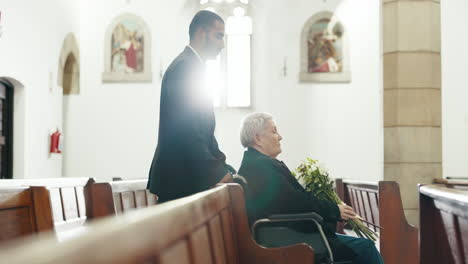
[347,212]
[227,178]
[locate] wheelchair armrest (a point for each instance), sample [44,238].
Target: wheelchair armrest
[288,218]
[315,218]
[297,217]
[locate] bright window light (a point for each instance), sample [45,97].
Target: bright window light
[211,9]
[228,78]
[239,25]
[238,71]
[214,80]
[239,11]
[238,30]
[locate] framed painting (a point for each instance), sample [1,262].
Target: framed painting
[324,49]
[127,51]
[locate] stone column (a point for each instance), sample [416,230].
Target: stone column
[412,96]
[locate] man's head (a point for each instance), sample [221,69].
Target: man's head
[207,34]
[259,131]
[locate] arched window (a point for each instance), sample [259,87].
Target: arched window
[229,76]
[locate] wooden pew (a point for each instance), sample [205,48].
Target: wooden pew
[120,196]
[68,198]
[443,224]
[24,211]
[209,227]
[380,204]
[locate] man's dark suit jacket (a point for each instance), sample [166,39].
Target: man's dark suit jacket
[272,189]
[187,158]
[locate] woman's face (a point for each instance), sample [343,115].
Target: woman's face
[269,140]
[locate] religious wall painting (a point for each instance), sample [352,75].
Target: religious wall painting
[127,48]
[323,50]
[127,54]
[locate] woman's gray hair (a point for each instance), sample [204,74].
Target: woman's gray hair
[253,124]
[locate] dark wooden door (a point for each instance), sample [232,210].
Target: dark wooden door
[6,130]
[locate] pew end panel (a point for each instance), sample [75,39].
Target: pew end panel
[381,205]
[24,211]
[249,251]
[398,239]
[102,203]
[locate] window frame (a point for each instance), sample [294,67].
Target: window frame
[225,10]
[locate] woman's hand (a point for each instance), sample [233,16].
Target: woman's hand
[347,212]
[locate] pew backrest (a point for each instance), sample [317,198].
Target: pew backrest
[443,224]
[68,199]
[118,197]
[24,211]
[364,198]
[208,227]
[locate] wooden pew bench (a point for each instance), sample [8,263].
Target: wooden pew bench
[110,198]
[381,206]
[74,201]
[209,227]
[443,224]
[68,199]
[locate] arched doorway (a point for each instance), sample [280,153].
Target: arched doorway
[69,80]
[71,77]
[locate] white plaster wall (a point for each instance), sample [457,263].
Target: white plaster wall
[33,32]
[112,128]
[454,88]
[116,124]
[339,124]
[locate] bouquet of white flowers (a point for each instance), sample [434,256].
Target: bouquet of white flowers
[315,179]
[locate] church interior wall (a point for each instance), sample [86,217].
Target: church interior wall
[454,88]
[112,127]
[338,123]
[33,32]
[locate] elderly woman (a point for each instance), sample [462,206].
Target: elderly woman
[272,189]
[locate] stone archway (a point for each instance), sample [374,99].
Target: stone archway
[69,79]
[69,66]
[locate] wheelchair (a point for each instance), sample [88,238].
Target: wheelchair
[276,231]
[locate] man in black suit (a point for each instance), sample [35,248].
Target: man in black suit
[272,189]
[187,158]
